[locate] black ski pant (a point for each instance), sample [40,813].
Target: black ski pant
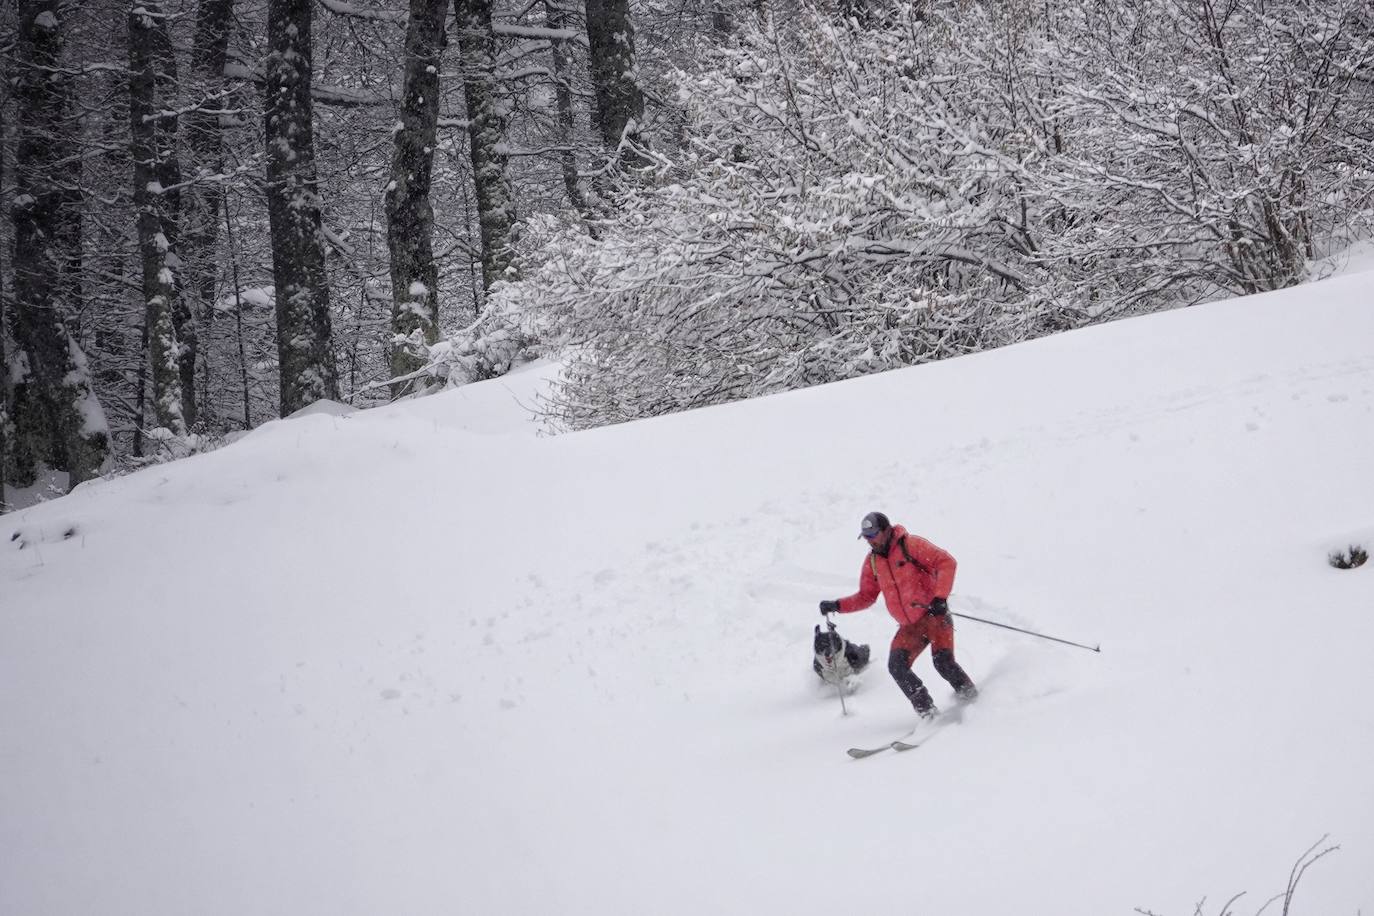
[899,664]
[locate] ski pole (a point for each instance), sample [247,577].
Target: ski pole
[844,708]
[1007,626]
[1028,632]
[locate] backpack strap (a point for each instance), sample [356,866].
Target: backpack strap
[873,562]
[912,560]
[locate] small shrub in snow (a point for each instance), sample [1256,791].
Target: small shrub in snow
[1305,861]
[1349,559]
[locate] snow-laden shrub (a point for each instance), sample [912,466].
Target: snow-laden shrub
[162,445]
[842,205]
[945,178]
[505,335]
[1210,147]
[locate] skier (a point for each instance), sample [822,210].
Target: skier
[915,578]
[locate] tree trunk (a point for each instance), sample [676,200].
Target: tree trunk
[4,380]
[4,314]
[304,353]
[152,144]
[204,196]
[557,17]
[58,419]
[238,318]
[487,126]
[619,110]
[4,398]
[409,214]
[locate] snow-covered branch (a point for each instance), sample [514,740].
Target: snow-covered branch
[353,11]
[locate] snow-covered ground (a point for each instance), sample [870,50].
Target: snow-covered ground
[422,660]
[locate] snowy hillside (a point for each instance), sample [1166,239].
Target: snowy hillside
[421,660]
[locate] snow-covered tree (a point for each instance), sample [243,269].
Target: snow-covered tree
[1212,147]
[5,348]
[815,188]
[304,348]
[619,109]
[202,198]
[868,185]
[410,215]
[559,19]
[487,123]
[58,421]
[156,176]
[842,206]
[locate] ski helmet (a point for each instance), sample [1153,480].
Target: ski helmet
[874,524]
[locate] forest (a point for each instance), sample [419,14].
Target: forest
[216,213]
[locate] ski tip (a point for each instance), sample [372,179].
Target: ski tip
[859,753]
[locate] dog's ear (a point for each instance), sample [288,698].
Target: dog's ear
[818,629]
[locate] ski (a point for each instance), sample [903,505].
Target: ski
[859,753]
[902,745]
[902,742]
[950,716]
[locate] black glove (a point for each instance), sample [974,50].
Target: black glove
[830,607]
[939,607]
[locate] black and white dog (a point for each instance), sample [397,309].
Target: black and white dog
[837,659]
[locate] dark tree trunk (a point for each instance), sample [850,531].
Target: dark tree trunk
[487,125]
[58,420]
[204,196]
[304,352]
[619,109]
[409,214]
[153,148]
[4,396]
[557,16]
[4,317]
[4,371]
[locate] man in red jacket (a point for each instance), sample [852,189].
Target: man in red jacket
[914,577]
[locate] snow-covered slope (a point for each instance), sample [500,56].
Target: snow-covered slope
[420,660]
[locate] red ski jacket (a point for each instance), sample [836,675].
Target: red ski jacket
[907,585]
